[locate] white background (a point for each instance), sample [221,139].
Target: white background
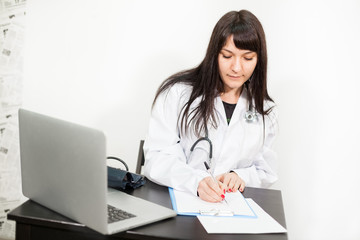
[99,63]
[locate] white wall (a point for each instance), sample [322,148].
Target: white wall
[100,64]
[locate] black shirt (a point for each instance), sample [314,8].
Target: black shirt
[229,109]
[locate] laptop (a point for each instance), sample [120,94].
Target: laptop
[63,167]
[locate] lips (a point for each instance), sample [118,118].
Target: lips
[233,76]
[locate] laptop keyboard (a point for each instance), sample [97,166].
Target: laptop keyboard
[115,214]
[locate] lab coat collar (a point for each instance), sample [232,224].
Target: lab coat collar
[239,111]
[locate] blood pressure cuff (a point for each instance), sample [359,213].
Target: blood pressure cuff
[118,178]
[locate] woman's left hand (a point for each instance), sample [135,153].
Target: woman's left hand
[232,181]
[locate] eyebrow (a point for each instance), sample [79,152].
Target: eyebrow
[224,49]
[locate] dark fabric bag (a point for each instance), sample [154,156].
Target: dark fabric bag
[123,179]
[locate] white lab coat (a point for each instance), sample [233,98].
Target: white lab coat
[239,146]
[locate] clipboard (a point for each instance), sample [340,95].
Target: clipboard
[186,204]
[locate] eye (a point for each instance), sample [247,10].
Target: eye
[248,58]
[226,56]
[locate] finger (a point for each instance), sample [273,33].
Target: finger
[211,195]
[242,186]
[211,188]
[220,178]
[232,182]
[215,186]
[223,188]
[224,183]
[237,184]
[206,192]
[227,179]
[206,197]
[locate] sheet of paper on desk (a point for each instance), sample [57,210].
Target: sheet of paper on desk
[188,203]
[264,223]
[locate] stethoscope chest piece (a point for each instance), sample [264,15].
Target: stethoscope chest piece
[251,116]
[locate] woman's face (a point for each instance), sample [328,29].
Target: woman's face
[235,66]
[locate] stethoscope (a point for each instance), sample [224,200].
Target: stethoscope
[250,117]
[207,139]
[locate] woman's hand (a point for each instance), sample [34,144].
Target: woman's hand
[211,191]
[231,181]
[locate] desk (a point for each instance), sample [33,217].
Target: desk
[34,221]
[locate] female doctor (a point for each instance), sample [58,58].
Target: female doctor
[225,105]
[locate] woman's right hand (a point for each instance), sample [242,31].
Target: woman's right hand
[211,191]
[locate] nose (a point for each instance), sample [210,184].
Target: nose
[236,65]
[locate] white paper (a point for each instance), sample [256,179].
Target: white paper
[11,48]
[8,227]
[10,181]
[12,20]
[188,203]
[264,223]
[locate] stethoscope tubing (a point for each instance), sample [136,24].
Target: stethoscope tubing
[250,117]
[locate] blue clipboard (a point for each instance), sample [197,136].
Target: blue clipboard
[174,205]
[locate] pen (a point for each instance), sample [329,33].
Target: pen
[212,176]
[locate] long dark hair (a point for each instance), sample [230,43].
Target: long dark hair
[205,79]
